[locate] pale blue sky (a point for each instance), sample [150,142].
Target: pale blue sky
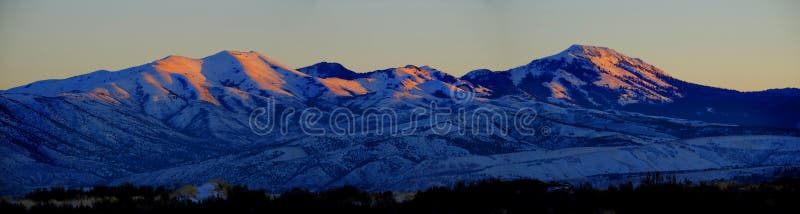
[744,45]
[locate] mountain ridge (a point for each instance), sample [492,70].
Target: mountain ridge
[580,76]
[181,120]
[349,74]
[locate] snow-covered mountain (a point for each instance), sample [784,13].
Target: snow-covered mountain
[602,78]
[181,120]
[585,76]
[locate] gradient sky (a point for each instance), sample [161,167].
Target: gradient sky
[744,45]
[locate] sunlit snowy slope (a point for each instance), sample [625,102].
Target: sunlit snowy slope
[179,120]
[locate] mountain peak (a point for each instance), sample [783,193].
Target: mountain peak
[174,59]
[330,66]
[569,76]
[587,47]
[240,52]
[252,60]
[607,59]
[580,48]
[329,69]
[237,53]
[577,50]
[409,66]
[234,53]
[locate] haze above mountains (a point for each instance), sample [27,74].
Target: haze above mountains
[181,120]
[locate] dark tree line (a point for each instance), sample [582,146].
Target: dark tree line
[655,194]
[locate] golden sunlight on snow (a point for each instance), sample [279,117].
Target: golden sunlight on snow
[558,90]
[343,87]
[189,68]
[102,94]
[238,92]
[119,91]
[149,79]
[609,61]
[260,72]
